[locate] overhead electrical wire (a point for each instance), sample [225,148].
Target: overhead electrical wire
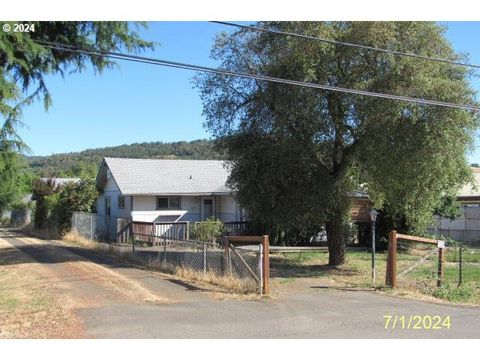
[225,72]
[341,43]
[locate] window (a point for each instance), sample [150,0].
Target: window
[174,203]
[107,205]
[168,203]
[121,202]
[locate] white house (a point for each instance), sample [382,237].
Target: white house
[158,190]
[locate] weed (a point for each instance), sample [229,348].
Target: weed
[461,294]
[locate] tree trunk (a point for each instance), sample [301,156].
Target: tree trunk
[335,240]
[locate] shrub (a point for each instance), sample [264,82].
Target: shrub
[42,192]
[208,230]
[73,197]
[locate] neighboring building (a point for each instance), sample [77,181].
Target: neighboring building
[465,228]
[61,181]
[157,190]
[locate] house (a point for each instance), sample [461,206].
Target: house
[466,227]
[159,190]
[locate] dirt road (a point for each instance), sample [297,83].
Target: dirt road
[85,294]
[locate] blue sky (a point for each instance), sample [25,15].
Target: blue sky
[142,103]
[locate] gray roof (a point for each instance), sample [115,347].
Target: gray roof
[161,177]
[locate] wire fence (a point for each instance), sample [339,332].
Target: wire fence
[462,266]
[422,267]
[417,266]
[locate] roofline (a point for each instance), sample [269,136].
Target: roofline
[99,170]
[104,163]
[157,159]
[181,194]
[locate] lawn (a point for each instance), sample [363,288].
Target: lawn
[415,278]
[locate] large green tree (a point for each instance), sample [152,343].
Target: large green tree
[25,63]
[10,170]
[298,153]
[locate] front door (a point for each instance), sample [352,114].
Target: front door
[207,208]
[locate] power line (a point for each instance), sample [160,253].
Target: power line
[186,66]
[335,42]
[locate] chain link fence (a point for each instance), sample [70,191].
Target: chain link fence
[167,245]
[89,225]
[227,266]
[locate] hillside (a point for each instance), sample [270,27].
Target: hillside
[75,162]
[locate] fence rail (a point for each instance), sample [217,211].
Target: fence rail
[236,228]
[427,264]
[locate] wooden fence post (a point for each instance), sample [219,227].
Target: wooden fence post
[266,264]
[440,267]
[391,275]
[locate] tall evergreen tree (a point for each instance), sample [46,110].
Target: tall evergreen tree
[24,64]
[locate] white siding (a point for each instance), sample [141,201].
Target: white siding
[113,192]
[144,203]
[192,205]
[228,209]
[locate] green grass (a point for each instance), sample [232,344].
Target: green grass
[8,303]
[468,255]
[421,280]
[462,294]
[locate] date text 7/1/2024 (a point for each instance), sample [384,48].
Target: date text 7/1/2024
[417,322]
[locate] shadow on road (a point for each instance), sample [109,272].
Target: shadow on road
[343,288]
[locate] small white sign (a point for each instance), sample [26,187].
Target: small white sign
[441,244]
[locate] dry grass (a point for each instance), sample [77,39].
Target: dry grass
[229,283]
[75,238]
[30,305]
[228,286]
[49,234]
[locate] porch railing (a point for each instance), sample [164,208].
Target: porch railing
[180,230]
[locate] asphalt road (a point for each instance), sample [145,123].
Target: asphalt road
[168,308]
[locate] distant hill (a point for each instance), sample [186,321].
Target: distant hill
[71,164]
